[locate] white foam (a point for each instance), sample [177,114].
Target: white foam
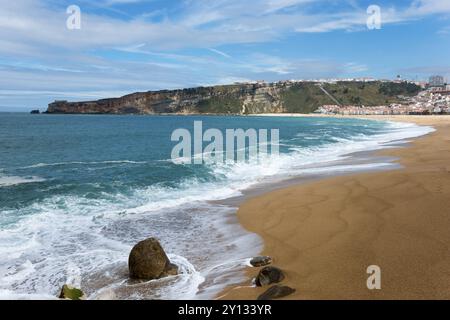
[63,239]
[188,280]
[8,181]
[293,164]
[20,272]
[11,295]
[184,286]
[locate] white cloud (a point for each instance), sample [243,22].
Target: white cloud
[228,80]
[427,7]
[353,67]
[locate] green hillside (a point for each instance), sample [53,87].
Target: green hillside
[307,97]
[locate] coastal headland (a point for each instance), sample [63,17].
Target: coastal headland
[324,234]
[246,98]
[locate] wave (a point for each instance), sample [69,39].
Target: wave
[188,280]
[9,181]
[240,176]
[94,235]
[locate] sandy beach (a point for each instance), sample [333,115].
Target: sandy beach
[324,234]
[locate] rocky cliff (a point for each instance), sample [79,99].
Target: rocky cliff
[301,97]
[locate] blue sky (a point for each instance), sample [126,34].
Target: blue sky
[125,46]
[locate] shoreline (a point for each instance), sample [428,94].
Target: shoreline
[325,233]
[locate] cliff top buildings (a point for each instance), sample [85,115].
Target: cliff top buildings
[426,102]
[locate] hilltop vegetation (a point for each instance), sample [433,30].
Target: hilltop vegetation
[308,97]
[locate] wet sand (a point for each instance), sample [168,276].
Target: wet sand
[324,234]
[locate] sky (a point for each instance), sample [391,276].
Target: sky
[124,46]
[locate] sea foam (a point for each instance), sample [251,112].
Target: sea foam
[8,181]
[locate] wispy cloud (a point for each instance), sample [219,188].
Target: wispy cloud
[221,53]
[202,24]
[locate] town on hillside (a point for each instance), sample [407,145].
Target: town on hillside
[434,99]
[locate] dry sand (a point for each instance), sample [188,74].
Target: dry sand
[324,234]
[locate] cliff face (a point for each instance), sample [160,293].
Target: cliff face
[231,99]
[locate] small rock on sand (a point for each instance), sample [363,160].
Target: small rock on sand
[269,275]
[276,292]
[261,261]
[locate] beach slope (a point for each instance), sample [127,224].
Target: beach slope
[326,233]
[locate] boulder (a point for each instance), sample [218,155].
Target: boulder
[148,261]
[269,275]
[171,270]
[71,293]
[261,261]
[276,292]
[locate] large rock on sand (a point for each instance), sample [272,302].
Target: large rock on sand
[148,261]
[269,275]
[276,292]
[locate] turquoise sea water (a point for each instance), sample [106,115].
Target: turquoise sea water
[76,192]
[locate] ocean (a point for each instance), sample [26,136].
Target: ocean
[78,191]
